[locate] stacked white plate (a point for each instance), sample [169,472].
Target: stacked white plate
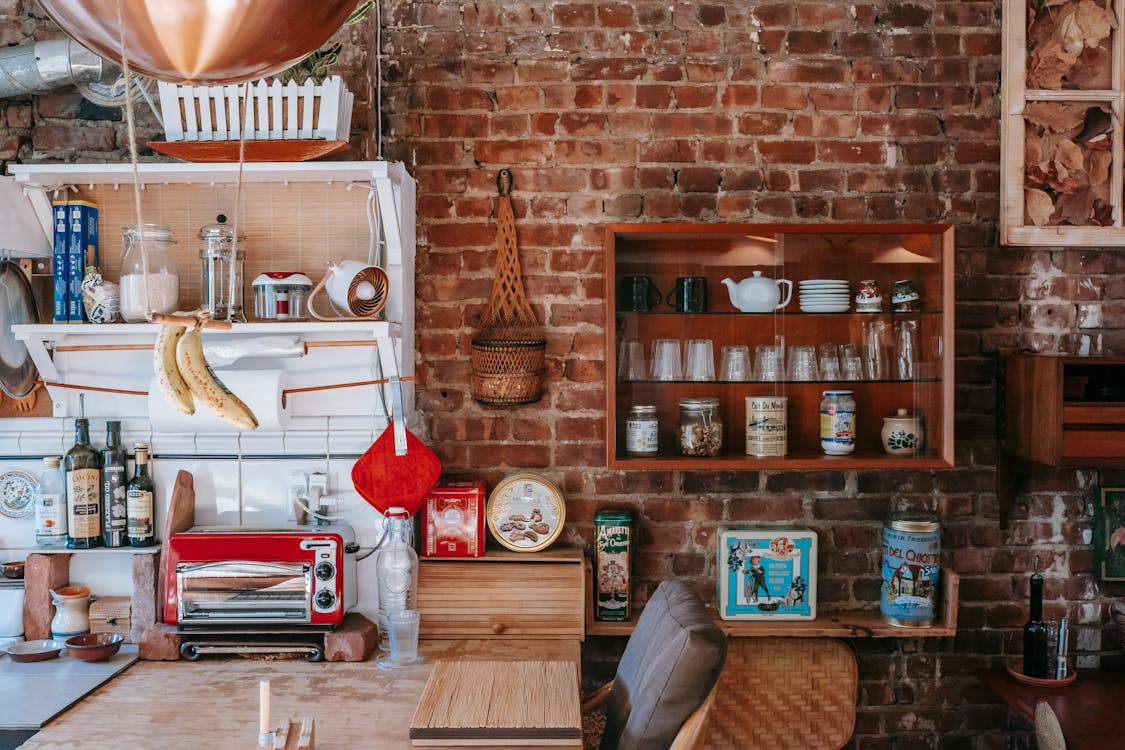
[824,295]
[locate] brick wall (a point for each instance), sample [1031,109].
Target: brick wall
[730,111]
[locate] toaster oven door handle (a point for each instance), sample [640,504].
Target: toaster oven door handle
[248,567]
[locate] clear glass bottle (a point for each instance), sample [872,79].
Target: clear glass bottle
[219,260]
[139,501]
[396,569]
[642,431]
[50,505]
[113,487]
[83,490]
[161,289]
[700,429]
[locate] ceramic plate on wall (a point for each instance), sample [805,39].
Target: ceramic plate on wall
[17,493]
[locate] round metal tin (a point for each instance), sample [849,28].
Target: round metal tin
[526,512]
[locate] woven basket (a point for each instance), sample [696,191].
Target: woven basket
[509,352]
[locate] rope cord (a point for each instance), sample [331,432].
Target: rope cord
[237,199]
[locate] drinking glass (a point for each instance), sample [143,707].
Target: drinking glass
[666,360]
[828,362]
[852,368]
[403,637]
[734,363]
[631,361]
[906,348]
[802,363]
[874,360]
[768,362]
[699,360]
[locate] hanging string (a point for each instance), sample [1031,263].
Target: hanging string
[237,199]
[132,131]
[378,81]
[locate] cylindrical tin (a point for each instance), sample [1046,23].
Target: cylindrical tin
[766,430]
[642,431]
[837,422]
[911,569]
[613,531]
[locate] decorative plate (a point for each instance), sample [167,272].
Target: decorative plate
[526,512]
[17,493]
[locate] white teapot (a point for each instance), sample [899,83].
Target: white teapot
[759,294]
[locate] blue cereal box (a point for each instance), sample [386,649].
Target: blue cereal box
[60,232]
[767,573]
[82,251]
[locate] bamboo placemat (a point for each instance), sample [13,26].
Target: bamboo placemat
[514,703]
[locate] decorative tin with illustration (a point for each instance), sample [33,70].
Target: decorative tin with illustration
[911,569]
[767,573]
[613,530]
[766,431]
[1109,533]
[452,520]
[526,512]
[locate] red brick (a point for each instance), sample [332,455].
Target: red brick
[66,138]
[808,71]
[787,152]
[512,152]
[851,152]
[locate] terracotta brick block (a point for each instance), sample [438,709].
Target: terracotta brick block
[41,574]
[353,640]
[160,642]
[146,599]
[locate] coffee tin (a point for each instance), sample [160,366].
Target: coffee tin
[766,429]
[613,530]
[911,569]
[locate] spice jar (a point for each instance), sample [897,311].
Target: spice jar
[642,431]
[151,245]
[219,261]
[837,423]
[700,429]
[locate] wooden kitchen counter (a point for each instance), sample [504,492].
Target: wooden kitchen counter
[212,704]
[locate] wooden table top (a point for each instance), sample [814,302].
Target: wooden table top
[213,703]
[1090,710]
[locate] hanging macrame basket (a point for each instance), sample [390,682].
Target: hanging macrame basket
[509,351]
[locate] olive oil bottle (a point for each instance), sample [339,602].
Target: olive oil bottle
[139,501]
[113,487]
[83,466]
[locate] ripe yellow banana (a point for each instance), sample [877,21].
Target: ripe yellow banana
[208,388]
[172,385]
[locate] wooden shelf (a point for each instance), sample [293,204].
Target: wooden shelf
[847,624]
[808,462]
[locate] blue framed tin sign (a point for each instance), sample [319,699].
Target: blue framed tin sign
[767,573]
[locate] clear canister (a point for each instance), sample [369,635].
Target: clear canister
[911,569]
[837,422]
[700,429]
[642,431]
[148,250]
[220,259]
[281,296]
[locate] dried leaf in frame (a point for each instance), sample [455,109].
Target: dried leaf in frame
[1098,167]
[1059,117]
[1047,64]
[1038,207]
[1076,208]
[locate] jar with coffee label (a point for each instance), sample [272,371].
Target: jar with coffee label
[837,423]
[700,429]
[642,430]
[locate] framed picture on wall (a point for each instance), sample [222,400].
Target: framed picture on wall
[1109,533]
[767,573]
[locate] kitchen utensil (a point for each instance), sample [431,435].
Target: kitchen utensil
[699,360]
[11,569]
[279,295]
[94,646]
[757,293]
[39,650]
[398,470]
[17,307]
[355,287]
[17,494]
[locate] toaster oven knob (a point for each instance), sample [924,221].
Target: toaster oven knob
[325,570]
[325,599]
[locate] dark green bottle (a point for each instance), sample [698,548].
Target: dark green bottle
[83,468]
[139,501]
[113,487]
[1035,631]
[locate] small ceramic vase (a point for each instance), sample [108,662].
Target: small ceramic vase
[869,299]
[72,611]
[902,434]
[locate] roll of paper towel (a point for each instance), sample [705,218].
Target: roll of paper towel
[261,390]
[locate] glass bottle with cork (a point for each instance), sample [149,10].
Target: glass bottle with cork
[113,487]
[139,501]
[83,466]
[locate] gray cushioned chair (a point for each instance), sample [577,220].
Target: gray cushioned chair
[670,664]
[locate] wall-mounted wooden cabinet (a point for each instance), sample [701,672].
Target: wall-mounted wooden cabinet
[887,254]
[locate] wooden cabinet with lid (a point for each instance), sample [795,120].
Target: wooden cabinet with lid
[885,253]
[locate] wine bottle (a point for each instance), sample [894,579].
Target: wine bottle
[1035,631]
[113,487]
[139,501]
[83,468]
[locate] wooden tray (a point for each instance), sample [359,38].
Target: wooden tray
[1017,674]
[227,151]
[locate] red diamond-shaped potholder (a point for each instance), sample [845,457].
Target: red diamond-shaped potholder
[387,481]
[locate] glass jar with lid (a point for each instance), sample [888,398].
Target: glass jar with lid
[159,291]
[220,259]
[837,422]
[700,428]
[642,431]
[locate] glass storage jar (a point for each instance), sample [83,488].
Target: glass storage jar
[219,260]
[700,429]
[642,430]
[837,422]
[160,290]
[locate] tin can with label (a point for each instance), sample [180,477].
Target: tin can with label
[613,538]
[837,423]
[766,430]
[911,569]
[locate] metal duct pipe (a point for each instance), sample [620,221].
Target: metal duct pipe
[42,66]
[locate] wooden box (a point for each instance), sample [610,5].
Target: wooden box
[112,614]
[504,594]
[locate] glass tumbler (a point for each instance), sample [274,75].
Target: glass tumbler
[699,360]
[403,639]
[768,363]
[802,363]
[666,360]
[631,361]
[828,362]
[734,363]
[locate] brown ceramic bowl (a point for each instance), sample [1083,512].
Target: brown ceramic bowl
[40,650]
[11,569]
[94,646]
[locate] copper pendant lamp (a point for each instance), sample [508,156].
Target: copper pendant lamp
[202,41]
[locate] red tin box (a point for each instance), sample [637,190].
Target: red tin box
[453,520]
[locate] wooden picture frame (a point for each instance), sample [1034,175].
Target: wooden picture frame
[1109,533]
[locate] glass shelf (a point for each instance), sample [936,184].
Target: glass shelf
[781,313]
[842,383]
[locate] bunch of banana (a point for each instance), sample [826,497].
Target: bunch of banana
[182,373]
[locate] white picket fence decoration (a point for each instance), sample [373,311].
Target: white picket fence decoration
[273,111]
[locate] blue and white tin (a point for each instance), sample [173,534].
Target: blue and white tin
[911,569]
[767,573]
